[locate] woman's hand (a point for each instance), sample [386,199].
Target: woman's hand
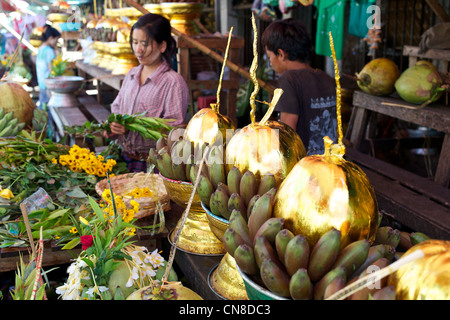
[117,129]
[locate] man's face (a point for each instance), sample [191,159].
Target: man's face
[276,61]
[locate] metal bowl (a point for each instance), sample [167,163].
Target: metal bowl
[64,84]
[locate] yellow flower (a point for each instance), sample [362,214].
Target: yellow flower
[131,231]
[6,194]
[147,192]
[106,195]
[135,205]
[73,230]
[84,221]
[54,160]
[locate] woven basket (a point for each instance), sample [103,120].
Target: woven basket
[124,183]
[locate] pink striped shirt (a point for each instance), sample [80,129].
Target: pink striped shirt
[164,94]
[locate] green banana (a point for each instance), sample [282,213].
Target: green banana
[152,156]
[386,293]
[118,295]
[205,190]
[189,164]
[2,124]
[268,182]
[320,287]
[263,251]
[234,180]
[245,259]
[229,241]
[375,252]
[216,167]
[160,143]
[296,255]
[387,235]
[334,286]
[405,241]
[300,286]
[324,254]
[167,162]
[161,167]
[251,204]
[248,186]
[235,203]
[363,293]
[270,228]
[171,138]
[224,188]
[281,240]
[2,112]
[179,171]
[218,204]
[238,224]
[275,278]
[261,211]
[7,131]
[418,237]
[352,256]
[9,116]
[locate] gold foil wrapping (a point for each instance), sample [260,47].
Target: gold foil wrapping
[427,278]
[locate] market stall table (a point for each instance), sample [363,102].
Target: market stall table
[414,201]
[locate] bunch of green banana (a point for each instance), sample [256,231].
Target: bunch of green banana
[39,120]
[9,126]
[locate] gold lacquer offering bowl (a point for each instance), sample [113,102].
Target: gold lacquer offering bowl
[196,235]
[224,279]
[182,15]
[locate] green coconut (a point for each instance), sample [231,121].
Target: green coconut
[119,278]
[420,83]
[13,97]
[378,77]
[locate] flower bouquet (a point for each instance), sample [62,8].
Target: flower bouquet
[110,266]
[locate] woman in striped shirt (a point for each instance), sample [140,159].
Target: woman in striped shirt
[153,86]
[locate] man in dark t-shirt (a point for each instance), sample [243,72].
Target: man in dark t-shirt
[308,102]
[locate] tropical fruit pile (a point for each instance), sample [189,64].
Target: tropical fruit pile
[9,125]
[284,262]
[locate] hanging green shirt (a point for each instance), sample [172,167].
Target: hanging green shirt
[330,17]
[357,24]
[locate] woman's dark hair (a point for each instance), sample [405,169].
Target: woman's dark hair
[49,31]
[157,28]
[291,36]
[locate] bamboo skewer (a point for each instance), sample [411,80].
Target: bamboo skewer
[208,51]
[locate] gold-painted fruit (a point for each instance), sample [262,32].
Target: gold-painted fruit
[378,77]
[13,97]
[177,292]
[427,278]
[272,148]
[324,192]
[206,126]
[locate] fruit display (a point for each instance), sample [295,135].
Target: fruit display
[378,77]
[13,97]
[283,262]
[9,125]
[420,83]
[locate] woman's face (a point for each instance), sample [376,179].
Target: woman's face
[147,51]
[52,41]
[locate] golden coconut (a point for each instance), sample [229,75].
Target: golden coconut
[273,147]
[207,126]
[323,192]
[13,97]
[169,291]
[378,77]
[426,278]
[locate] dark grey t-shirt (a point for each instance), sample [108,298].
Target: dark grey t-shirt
[311,94]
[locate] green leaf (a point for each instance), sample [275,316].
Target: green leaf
[89,263]
[71,244]
[97,210]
